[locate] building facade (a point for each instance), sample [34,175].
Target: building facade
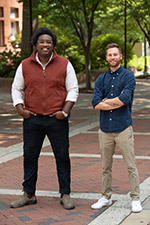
[11,13]
[139,49]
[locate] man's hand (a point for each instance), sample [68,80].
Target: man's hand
[59,115]
[26,114]
[23,112]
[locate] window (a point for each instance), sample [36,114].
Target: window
[1,33]
[14,29]
[1,12]
[13,13]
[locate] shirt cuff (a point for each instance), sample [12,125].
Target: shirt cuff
[72,96]
[17,101]
[122,99]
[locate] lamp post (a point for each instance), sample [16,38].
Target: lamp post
[31,31]
[125,34]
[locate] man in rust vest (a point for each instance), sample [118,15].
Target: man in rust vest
[44,91]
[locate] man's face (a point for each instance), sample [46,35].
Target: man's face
[113,57]
[44,45]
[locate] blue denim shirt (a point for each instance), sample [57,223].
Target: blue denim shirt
[120,83]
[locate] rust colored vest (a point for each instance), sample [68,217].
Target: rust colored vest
[45,91]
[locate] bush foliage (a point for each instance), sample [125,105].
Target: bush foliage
[10,60]
[138,62]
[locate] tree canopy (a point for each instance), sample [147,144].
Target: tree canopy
[78,15]
[140,11]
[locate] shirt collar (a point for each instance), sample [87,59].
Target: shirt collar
[37,59]
[117,71]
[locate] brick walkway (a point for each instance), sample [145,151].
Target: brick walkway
[86,168]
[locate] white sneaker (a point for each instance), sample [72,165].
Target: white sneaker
[136,206]
[101,202]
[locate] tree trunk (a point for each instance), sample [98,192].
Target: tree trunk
[87,68]
[26,32]
[35,18]
[26,36]
[148,39]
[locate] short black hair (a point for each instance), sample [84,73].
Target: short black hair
[113,45]
[41,31]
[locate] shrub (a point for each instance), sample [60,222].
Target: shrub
[69,46]
[143,76]
[10,60]
[138,62]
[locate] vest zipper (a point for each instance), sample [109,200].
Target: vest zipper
[44,73]
[44,99]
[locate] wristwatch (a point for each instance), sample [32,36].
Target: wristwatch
[64,113]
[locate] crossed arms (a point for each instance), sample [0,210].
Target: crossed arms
[109,104]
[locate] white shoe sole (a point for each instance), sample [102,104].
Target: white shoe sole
[137,211]
[107,204]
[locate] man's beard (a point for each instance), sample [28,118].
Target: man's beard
[115,64]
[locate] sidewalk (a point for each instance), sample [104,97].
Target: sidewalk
[86,169]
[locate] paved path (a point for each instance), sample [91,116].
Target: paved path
[86,169]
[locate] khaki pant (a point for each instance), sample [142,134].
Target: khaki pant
[125,141]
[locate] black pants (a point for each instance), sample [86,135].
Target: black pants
[35,129]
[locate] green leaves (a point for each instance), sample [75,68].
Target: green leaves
[10,60]
[140,11]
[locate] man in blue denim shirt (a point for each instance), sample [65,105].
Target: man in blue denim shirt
[113,96]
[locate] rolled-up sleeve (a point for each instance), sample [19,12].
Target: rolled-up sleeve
[18,87]
[98,92]
[71,84]
[127,93]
